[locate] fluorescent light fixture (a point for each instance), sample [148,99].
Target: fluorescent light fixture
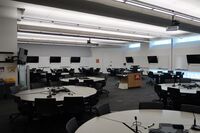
[163,11]
[119,0]
[134,45]
[73,28]
[138,5]
[195,20]
[183,16]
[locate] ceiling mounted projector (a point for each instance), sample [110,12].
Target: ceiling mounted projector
[174,25]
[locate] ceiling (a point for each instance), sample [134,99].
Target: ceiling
[100,19]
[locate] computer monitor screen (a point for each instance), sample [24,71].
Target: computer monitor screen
[75,59]
[55,59]
[193,59]
[129,59]
[22,55]
[32,59]
[152,59]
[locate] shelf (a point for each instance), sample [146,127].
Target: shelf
[6,62]
[1,52]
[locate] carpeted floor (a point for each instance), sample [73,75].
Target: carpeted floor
[119,100]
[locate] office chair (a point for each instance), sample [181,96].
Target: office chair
[91,101]
[175,97]
[37,85]
[24,108]
[73,82]
[72,125]
[190,108]
[162,94]
[102,109]
[89,83]
[151,78]
[74,106]
[150,105]
[45,107]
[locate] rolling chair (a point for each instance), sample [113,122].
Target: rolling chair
[103,109]
[72,125]
[190,108]
[150,105]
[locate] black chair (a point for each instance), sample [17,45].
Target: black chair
[89,83]
[150,105]
[37,85]
[24,108]
[46,107]
[74,106]
[175,97]
[103,109]
[73,82]
[72,125]
[151,78]
[162,94]
[190,108]
[91,101]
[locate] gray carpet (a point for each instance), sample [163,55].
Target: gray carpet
[119,100]
[127,99]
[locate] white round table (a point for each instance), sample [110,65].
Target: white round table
[95,79]
[182,89]
[75,91]
[111,123]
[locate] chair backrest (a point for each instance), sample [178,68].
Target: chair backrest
[36,85]
[150,74]
[150,105]
[25,108]
[102,109]
[173,92]
[73,81]
[45,106]
[157,89]
[185,80]
[72,125]
[190,108]
[73,105]
[89,82]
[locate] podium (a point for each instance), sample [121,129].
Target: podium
[131,80]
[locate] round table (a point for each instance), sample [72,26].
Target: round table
[81,79]
[111,123]
[75,91]
[182,89]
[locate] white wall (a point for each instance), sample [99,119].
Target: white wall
[45,51]
[109,57]
[8,38]
[115,57]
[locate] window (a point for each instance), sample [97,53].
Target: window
[134,45]
[160,42]
[188,39]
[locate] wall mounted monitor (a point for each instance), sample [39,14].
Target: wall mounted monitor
[22,55]
[55,59]
[152,59]
[32,59]
[129,59]
[75,59]
[193,59]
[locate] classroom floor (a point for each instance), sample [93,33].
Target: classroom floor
[119,100]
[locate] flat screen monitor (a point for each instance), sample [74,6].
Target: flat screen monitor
[22,55]
[32,59]
[55,59]
[75,59]
[129,59]
[152,59]
[193,59]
